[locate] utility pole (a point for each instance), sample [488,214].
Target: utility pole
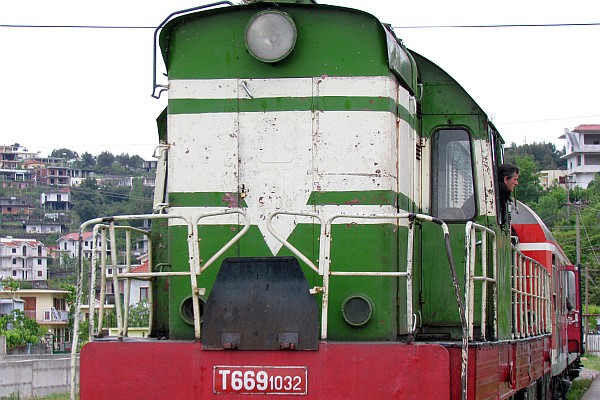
[578,255]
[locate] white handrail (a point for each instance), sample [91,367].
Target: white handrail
[471,245]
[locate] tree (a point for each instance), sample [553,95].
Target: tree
[139,314]
[87,201]
[551,206]
[10,285]
[105,159]
[23,329]
[88,160]
[585,202]
[123,159]
[544,154]
[136,162]
[64,153]
[529,188]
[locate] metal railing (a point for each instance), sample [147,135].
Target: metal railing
[531,297]
[477,238]
[107,233]
[107,228]
[324,270]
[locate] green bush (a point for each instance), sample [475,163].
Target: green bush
[24,330]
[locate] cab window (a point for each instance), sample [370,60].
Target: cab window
[452,194]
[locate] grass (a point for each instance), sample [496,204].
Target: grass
[579,386]
[591,362]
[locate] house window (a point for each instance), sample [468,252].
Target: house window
[579,161]
[65,245]
[14,261]
[109,271]
[9,209]
[14,251]
[86,243]
[59,304]
[39,273]
[143,293]
[14,273]
[24,248]
[39,261]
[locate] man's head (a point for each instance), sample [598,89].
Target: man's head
[509,175]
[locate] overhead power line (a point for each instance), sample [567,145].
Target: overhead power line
[395,27]
[77,26]
[498,26]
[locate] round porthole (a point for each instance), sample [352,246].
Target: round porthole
[186,310]
[357,310]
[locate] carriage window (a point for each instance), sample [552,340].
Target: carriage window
[571,293]
[452,196]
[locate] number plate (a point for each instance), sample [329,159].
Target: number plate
[259,380]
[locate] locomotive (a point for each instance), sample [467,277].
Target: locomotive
[326,225]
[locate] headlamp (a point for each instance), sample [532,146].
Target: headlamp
[270,35]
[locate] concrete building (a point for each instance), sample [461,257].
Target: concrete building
[49,309]
[68,245]
[18,206]
[23,259]
[552,177]
[583,154]
[58,200]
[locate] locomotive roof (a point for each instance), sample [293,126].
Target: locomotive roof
[523,215]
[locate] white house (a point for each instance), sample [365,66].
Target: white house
[23,259]
[582,155]
[69,244]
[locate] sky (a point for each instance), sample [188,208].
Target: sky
[89,89]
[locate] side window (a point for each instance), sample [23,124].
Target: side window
[571,291]
[452,194]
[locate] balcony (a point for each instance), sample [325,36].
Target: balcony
[48,315]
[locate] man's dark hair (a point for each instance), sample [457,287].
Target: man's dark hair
[507,170]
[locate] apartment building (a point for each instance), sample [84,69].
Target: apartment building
[582,155]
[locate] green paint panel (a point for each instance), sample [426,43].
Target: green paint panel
[372,197]
[194,106]
[355,247]
[439,309]
[356,104]
[211,44]
[445,103]
[160,285]
[206,199]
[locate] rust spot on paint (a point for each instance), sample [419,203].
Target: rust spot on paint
[352,202]
[231,199]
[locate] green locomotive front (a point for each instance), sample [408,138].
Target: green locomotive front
[327,128]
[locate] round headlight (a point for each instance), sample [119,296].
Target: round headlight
[270,35]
